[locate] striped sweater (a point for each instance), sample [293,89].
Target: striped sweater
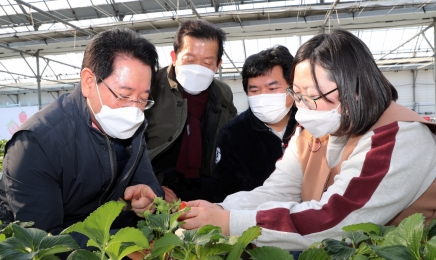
[388,170]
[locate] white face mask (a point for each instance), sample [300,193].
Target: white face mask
[194,78]
[269,108]
[319,123]
[119,123]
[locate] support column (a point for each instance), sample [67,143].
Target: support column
[414,75]
[38,80]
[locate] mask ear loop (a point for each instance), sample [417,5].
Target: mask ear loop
[310,147]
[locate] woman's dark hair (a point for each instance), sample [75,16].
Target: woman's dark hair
[102,50]
[202,30]
[261,63]
[364,92]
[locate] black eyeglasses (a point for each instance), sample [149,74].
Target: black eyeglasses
[309,101]
[125,101]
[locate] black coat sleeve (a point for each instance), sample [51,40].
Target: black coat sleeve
[31,184]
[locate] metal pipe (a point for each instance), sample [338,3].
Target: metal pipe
[38,80]
[56,18]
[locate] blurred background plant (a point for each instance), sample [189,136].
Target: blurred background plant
[2,153]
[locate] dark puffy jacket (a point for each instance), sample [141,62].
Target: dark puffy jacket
[247,151]
[168,116]
[58,168]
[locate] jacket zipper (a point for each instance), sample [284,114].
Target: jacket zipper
[134,163]
[111,159]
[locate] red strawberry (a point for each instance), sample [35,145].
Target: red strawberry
[182,205]
[22,116]
[12,127]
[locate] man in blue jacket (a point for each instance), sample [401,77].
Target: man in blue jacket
[87,147]
[250,144]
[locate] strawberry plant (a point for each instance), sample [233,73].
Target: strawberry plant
[410,240]
[19,242]
[96,227]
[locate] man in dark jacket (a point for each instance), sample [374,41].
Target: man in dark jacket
[249,146]
[191,107]
[87,147]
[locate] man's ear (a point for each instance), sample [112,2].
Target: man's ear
[173,57]
[87,80]
[219,65]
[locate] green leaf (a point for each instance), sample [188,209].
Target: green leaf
[126,241]
[129,250]
[51,251]
[30,237]
[82,254]
[165,244]
[430,249]
[360,257]
[50,257]
[394,252]
[8,249]
[249,235]
[269,252]
[355,237]
[408,233]
[189,235]
[314,254]
[96,226]
[212,249]
[98,223]
[430,230]
[364,249]
[148,232]
[65,241]
[338,249]
[174,223]
[365,227]
[159,222]
[212,257]
[2,237]
[130,234]
[207,233]
[15,244]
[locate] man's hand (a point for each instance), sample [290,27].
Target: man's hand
[204,213]
[170,196]
[141,196]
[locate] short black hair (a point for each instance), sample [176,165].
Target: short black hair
[364,92]
[261,63]
[102,50]
[202,30]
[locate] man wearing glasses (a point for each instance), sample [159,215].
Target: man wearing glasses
[87,147]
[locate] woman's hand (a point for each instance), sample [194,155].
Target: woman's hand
[206,213]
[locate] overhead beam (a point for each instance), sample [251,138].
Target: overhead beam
[194,10]
[404,43]
[31,54]
[56,18]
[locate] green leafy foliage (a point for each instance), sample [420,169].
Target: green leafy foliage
[97,226]
[2,151]
[410,240]
[33,243]
[268,252]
